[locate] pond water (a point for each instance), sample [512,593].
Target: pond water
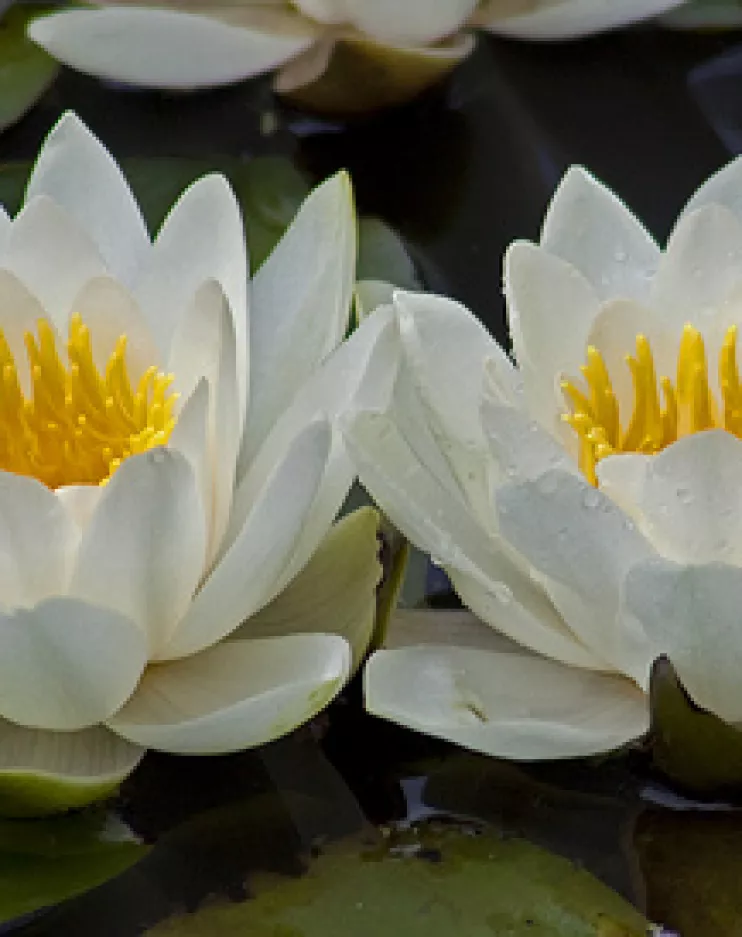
[352,826]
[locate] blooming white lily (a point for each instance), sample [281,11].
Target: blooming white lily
[386,51]
[172,474]
[584,501]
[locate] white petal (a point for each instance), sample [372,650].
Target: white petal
[204,348]
[142,553]
[80,501]
[722,188]
[236,695]
[692,614]
[52,256]
[505,704]
[700,267]
[371,294]
[79,174]
[301,302]
[569,19]
[590,228]
[334,593]
[359,372]
[190,437]
[67,665]
[551,308]
[520,446]
[622,477]
[110,311]
[413,627]
[201,239]
[5,225]
[37,542]
[164,48]
[575,535]
[245,578]
[414,22]
[691,499]
[20,312]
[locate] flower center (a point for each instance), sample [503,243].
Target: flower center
[78,423]
[663,412]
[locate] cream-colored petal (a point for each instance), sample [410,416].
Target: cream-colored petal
[415,22]
[722,188]
[692,614]
[575,535]
[78,173]
[38,541]
[52,256]
[565,19]
[80,502]
[66,664]
[590,228]
[165,48]
[5,225]
[143,551]
[301,303]
[335,593]
[20,312]
[202,239]
[520,446]
[236,695]
[244,580]
[190,437]
[504,704]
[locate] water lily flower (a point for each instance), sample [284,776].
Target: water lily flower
[169,476]
[584,499]
[333,55]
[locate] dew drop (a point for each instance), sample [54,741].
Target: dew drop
[157,456]
[684,495]
[621,256]
[503,593]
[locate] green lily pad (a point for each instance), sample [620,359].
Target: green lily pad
[43,862]
[431,881]
[26,71]
[691,746]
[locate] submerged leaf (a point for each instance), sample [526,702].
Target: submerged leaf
[434,881]
[26,71]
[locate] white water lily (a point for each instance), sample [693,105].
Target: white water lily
[585,500]
[335,55]
[169,474]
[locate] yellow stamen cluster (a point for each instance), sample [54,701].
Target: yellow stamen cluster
[663,412]
[78,424]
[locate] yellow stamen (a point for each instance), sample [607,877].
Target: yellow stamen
[662,412]
[78,424]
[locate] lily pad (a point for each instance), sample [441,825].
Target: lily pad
[26,71]
[430,881]
[43,862]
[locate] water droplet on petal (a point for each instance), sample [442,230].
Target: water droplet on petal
[684,495]
[503,593]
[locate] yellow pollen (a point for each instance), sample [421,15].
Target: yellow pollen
[78,424]
[663,411]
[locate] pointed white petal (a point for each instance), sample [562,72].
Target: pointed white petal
[590,228]
[301,301]
[573,534]
[20,312]
[568,19]
[77,172]
[692,614]
[52,256]
[202,239]
[414,22]
[143,550]
[164,48]
[80,502]
[334,593]
[236,695]
[67,665]
[722,188]
[504,704]
[245,578]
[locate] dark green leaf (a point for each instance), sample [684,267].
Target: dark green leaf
[26,71]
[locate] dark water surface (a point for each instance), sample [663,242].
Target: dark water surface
[461,173]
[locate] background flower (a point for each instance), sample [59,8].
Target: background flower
[584,503]
[141,529]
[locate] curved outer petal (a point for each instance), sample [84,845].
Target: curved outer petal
[574,535]
[142,553]
[244,579]
[20,312]
[236,695]
[165,48]
[301,302]
[77,172]
[52,256]
[334,593]
[38,540]
[67,665]
[722,188]
[590,228]
[566,19]
[202,238]
[692,614]
[502,702]
[414,22]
